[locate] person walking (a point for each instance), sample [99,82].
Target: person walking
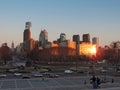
[98,82]
[112,81]
[94,81]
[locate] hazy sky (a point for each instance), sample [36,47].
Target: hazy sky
[99,18]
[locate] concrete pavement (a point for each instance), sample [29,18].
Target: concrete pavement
[75,83]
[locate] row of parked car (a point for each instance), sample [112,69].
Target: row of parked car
[26,76]
[50,75]
[3,75]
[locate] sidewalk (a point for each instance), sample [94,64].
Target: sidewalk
[112,88]
[107,86]
[54,84]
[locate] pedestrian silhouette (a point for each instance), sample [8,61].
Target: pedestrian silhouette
[98,82]
[112,80]
[94,81]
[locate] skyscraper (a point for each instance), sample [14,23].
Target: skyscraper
[12,47]
[76,38]
[27,33]
[62,37]
[95,40]
[28,42]
[43,38]
[86,38]
[28,25]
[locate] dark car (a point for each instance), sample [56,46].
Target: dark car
[25,77]
[3,75]
[37,75]
[53,76]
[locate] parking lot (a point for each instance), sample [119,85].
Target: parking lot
[70,83]
[37,83]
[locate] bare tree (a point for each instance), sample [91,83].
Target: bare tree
[115,44]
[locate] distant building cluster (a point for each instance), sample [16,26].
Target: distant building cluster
[74,47]
[60,51]
[44,48]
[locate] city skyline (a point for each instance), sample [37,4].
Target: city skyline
[99,18]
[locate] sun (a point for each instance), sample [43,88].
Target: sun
[93,50]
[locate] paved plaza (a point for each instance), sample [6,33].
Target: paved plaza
[71,83]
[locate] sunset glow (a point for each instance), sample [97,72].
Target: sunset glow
[87,49]
[93,50]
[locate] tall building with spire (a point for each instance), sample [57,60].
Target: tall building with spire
[12,47]
[28,42]
[43,38]
[27,33]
